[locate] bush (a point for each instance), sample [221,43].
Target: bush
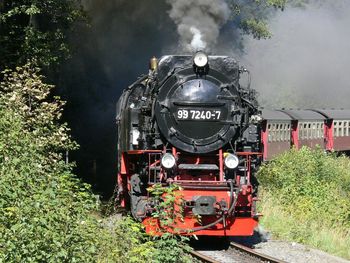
[46,213]
[44,209]
[309,192]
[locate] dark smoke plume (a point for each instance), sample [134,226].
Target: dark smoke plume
[111,54]
[304,64]
[198,22]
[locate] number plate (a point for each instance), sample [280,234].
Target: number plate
[198,115]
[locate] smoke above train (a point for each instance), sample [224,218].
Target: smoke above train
[305,61]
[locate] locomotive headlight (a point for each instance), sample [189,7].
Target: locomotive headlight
[168,161]
[200,59]
[231,161]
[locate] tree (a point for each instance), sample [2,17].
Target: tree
[37,29]
[252,15]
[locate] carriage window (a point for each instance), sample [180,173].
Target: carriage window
[282,132]
[273,132]
[335,129]
[345,128]
[348,128]
[278,133]
[318,132]
[301,131]
[340,129]
[274,138]
[305,131]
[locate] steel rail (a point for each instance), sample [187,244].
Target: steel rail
[202,257]
[256,254]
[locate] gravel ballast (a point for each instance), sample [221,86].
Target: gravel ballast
[296,253]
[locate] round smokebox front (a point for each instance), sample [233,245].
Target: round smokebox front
[194,116]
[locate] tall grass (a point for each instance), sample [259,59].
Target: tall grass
[306,198]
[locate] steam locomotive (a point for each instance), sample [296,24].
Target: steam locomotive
[189,122]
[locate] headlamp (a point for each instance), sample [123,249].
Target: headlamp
[200,59]
[168,161]
[231,161]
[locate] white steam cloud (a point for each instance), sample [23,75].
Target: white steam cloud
[306,63]
[198,22]
[197,43]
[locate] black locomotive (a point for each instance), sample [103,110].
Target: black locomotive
[189,121]
[196,110]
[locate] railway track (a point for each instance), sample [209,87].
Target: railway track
[203,258]
[235,253]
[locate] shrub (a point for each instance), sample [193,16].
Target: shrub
[44,209]
[171,245]
[309,191]
[46,213]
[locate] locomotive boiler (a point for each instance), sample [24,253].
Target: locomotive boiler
[189,122]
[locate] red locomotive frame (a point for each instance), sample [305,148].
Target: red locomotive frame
[238,218]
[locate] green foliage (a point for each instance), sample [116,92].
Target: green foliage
[257,28]
[124,240]
[171,245]
[252,16]
[168,209]
[44,209]
[46,214]
[311,189]
[26,95]
[37,29]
